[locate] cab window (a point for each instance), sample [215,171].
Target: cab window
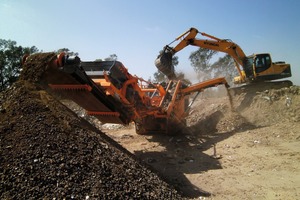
[262,62]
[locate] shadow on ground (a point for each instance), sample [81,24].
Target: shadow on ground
[190,152]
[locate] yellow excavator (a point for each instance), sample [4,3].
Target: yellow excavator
[253,68]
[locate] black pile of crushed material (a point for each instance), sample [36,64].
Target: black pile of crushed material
[46,151]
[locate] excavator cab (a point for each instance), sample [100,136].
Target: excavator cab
[264,69]
[262,62]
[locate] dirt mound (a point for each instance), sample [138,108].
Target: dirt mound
[245,110]
[270,106]
[35,67]
[46,151]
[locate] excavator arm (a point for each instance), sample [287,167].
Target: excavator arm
[164,60]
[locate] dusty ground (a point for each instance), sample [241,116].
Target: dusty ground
[251,152]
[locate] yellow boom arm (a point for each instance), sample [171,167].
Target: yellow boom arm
[214,43]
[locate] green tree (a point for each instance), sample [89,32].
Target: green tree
[111,57]
[225,66]
[181,76]
[159,77]
[200,60]
[10,61]
[67,51]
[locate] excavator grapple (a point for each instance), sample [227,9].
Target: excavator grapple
[106,90]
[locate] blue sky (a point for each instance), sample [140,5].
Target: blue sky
[136,30]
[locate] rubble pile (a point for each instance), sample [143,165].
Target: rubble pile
[46,151]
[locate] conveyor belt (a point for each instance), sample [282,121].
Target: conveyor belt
[72,82]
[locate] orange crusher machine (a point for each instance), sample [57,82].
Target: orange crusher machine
[106,90]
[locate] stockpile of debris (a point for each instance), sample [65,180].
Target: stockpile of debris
[245,110]
[46,151]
